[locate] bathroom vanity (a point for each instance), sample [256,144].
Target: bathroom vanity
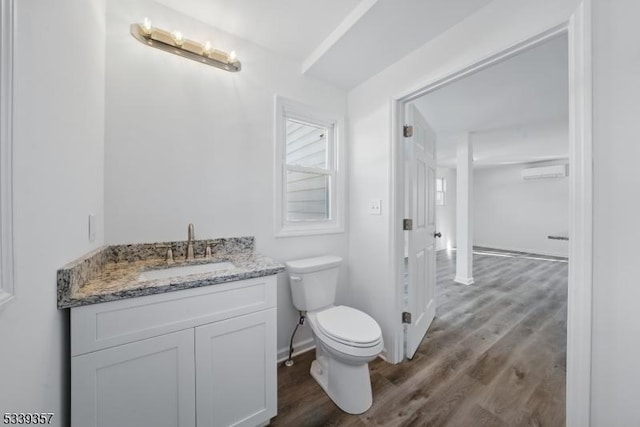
[149,348]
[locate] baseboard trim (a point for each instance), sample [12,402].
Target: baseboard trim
[524,250]
[298,348]
[464,280]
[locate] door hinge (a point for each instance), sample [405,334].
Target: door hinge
[407,131]
[406,317]
[407,224]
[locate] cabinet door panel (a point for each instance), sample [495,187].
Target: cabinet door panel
[145,383]
[236,371]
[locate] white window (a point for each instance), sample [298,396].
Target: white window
[6,82]
[309,170]
[441,191]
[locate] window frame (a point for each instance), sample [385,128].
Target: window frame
[7,291]
[329,171]
[289,109]
[443,180]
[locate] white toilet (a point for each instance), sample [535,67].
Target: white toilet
[346,339]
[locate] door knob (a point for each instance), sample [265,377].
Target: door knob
[437,234]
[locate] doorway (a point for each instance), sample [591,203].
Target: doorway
[580,246]
[503,131]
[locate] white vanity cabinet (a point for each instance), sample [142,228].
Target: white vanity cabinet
[196,357]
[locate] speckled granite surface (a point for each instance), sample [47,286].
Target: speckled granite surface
[112,273]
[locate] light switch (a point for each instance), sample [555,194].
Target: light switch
[375,207]
[92,227]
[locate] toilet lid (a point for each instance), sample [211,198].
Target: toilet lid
[349,325]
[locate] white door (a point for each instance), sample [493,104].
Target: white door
[236,378]
[420,206]
[145,383]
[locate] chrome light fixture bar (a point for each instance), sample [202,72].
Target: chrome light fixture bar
[174,42]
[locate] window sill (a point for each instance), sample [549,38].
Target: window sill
[293,231]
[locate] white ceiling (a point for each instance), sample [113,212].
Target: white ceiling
[386,32]
[343,42]
[517,110]
[533,142]
[293,28]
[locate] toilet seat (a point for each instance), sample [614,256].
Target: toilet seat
[349,326]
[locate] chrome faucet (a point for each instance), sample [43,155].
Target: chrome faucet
[190,242]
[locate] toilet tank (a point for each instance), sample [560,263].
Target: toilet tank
[313,281]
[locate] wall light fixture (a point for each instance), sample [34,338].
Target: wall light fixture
[174,42]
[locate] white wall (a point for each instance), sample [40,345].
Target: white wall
[370,279]
[616,294]
[516,214]
[186,143]
[497,26]
[509,212]
[446,215]
[58,147]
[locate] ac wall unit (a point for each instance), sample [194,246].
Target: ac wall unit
[555,171]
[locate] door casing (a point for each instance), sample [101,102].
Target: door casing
[578,29]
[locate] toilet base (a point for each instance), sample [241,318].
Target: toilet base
[348,385]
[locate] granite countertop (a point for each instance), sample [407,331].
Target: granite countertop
[112,273]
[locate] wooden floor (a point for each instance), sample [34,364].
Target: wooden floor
[494,356]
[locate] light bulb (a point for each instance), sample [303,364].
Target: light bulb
[206,49]
[177,37]
[233,56]
[146,26]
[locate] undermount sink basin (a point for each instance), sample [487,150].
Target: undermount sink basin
[186,270]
